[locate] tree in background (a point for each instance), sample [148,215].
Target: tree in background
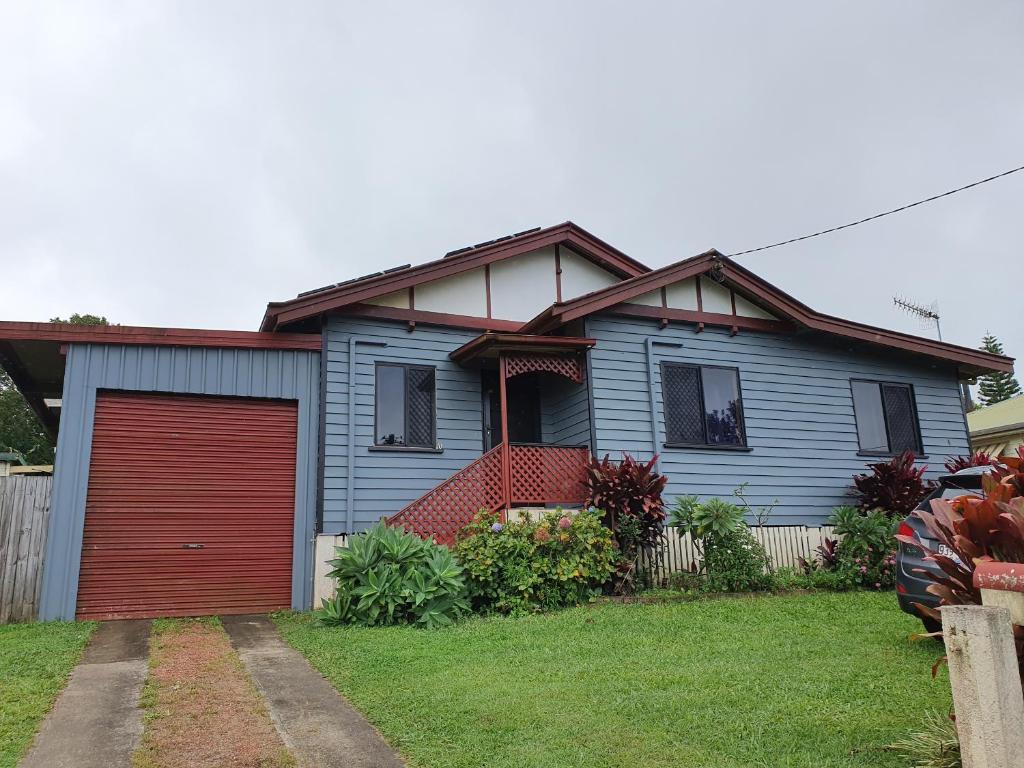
[77,319]
[20,429]
[996,387]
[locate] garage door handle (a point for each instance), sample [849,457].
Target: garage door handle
[192,546]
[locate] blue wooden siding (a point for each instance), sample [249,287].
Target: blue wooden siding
[798,410]
[565,411]
[387,480]
[279,374]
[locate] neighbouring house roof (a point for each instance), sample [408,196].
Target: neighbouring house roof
[489,345]
[997,429]
[971,362]
[334,297]
[32,355]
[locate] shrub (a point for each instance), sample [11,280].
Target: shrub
[732,560]
[527,566]
[977,459]
[896,486]
[975,529]
[388,576]
[629,492]
[866,554]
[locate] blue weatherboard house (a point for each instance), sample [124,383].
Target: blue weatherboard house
[197,470]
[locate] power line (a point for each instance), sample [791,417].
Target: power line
[879,215]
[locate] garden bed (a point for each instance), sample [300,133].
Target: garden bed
[817,679]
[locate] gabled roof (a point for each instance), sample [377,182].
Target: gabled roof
[313,303]
[971,361]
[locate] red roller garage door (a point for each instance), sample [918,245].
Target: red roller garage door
[190,507]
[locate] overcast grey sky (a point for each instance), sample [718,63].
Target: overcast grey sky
[184,163]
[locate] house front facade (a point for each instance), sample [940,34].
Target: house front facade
[422,394]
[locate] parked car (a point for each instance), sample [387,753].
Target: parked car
[912,587]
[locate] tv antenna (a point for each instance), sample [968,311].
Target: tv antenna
[928,315]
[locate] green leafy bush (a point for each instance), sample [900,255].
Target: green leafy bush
[732,560]
[388,576]
[866,553]
[527,566]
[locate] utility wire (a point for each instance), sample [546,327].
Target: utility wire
[879,215]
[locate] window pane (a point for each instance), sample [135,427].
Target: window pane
[683,415]
[420,423]
[899,409]
[867,408]
[722,406]
[390,405]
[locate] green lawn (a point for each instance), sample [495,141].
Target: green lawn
[811,680]
[35,660]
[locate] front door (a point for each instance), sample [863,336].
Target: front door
[523,409]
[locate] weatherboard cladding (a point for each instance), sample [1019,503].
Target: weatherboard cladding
[797,404]
[565,412]
[262,373]
[385,480]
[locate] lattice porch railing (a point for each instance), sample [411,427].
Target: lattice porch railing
[548,474]
[540,474]
[448,508]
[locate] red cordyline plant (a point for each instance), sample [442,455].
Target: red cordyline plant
[629,493]
[976,459]
[978,528]
[895,486]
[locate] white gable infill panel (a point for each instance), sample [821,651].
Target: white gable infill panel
[462,294]
[682,295]
[398,299]
[580,276]
[715,297]
[746,308]
[523,286]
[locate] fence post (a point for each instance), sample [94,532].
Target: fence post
[987,695]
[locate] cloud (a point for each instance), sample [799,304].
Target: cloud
[184,163]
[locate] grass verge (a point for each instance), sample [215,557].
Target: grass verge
[823,680]
[35,661]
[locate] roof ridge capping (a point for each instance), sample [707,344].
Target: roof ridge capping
[972,361]
[310,304]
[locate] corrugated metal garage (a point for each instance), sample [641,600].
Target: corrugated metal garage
[190,507]
[176,440]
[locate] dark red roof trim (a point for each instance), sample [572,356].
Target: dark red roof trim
[430,318]
[491,343]
[68,333]
[708,318]
[587,245]
[972,361]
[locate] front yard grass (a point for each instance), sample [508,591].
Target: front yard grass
[35,661]
[808,680]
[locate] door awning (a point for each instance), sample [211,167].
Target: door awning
[488,346]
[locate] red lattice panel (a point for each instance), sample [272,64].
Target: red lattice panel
[548,474]
[449,507]
[570,367]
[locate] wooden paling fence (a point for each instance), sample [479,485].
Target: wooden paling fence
[785,545]
[24,513]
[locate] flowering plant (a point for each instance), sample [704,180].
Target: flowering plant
[519,567]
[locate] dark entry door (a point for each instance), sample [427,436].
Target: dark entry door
[523,409]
